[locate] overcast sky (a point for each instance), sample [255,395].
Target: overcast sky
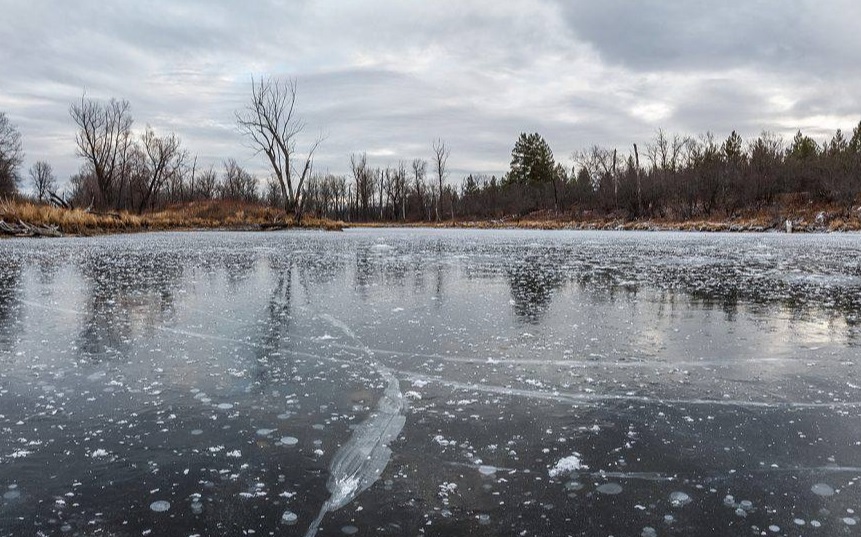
[389,77]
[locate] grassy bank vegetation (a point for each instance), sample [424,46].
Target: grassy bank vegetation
[212,214]
[805,216]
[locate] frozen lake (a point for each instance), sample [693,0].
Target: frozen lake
[428,382]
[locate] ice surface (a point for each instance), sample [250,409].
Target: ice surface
[667,362]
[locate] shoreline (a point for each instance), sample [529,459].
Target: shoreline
[25,219]
[681,227]
[692,226]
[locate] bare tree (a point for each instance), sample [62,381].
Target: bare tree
[399,190]
[164,159]
[42,176]
[382,180]
[103,140]
[598,162]
[665,153]
[11,155]
[420,167]
[238,184]
[206,186]
[441,153]
[269,121]
[364,178]
[272,194]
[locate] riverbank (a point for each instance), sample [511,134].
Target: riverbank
[29,219]
[21,218]
[810,219]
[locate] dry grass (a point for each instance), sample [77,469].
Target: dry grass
[247,216]
[198,215]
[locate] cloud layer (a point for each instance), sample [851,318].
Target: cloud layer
[389,77]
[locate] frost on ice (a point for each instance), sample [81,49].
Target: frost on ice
[569,464]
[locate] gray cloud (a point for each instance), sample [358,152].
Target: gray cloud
[704,35]
[390,77]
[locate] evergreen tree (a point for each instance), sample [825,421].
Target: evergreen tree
[531,160]
[803,147]
[855,142]
[732,147]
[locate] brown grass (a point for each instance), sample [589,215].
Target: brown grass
[236,215]
[197,215]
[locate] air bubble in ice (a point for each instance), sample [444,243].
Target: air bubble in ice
[486,470]
[349,530]
[649,531]
[822,489]
[289,441]
[289,517]
[160,506]
[484,519]
[573,486]
[610,488]
[679,499]
[224,406]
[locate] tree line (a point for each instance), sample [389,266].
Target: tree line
[672,176]
[675,177]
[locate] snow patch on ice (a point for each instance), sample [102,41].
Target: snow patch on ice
[569,464]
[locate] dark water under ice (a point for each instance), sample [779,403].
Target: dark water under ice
[422,382]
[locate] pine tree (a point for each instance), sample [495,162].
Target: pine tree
[531,160]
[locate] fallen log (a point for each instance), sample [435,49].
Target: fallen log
[23,229]
[59,201]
